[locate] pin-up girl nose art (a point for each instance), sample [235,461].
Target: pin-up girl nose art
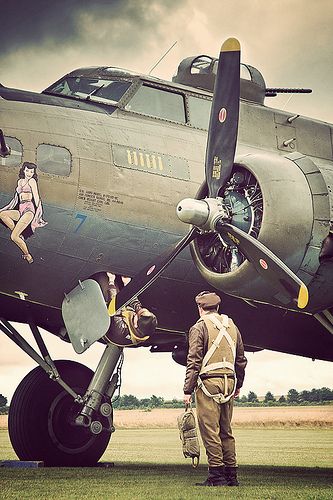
[23,214]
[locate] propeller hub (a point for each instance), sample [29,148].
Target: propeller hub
[192,211]
[202,213]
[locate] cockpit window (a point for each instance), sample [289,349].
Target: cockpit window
[199,112]
[157,102]
[201,65]
[244,72]
[86,88]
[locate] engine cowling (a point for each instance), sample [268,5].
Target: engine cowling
[282,200]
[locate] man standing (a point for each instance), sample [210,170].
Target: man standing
[215,370]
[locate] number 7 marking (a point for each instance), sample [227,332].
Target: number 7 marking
[82,218]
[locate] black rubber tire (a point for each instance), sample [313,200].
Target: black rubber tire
[40,419]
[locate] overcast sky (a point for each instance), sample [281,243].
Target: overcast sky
[289,41]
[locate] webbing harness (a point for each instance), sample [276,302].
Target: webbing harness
[222,326]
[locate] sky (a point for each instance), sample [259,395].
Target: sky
[289,41]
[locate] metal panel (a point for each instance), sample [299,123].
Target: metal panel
[281,118]
[319,232]
[85,315]
[316,183]
[311,260]
[321,207]
[77,246]
[306,277]
[256,126]
[296,155]
[313,138]
[305,164]
[152,162]
[286,138]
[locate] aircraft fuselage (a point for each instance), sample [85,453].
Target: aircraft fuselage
[110,206]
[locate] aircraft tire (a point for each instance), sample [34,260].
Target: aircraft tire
[41,415]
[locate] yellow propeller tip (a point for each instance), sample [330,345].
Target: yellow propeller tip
[303,297]
[230,45]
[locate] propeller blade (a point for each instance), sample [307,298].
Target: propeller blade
[149,274]
[223,125]
[266,263]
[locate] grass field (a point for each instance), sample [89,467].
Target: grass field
[285,463]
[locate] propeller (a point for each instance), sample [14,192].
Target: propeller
[223,124]
[210,214]
[266,263]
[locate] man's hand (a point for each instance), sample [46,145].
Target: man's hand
[126,280]
[237,391]
[187,399]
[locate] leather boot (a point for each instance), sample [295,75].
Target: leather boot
[231,476]
[215,477]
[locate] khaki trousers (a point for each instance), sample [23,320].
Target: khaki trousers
[214,421]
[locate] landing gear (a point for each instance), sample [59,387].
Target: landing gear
[41,419]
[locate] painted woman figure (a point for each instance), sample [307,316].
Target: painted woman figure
[23,214]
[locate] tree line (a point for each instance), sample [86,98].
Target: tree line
[293,397]
[130,402]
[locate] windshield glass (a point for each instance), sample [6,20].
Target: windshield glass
[88,88]
[158,102]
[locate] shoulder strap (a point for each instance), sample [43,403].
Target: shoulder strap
[222,326]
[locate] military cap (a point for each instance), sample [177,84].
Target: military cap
[147,322]
[207,300]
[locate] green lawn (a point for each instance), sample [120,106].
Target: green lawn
[273,464]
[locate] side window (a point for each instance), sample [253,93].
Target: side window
[199,111]
[15,157]
[160,103]
[54,159]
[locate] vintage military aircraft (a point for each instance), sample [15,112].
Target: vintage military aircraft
[116,153]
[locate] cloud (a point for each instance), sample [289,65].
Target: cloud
[291,45]
[40,41]
[64,22]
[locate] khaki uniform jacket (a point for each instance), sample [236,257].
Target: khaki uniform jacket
[198,346]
